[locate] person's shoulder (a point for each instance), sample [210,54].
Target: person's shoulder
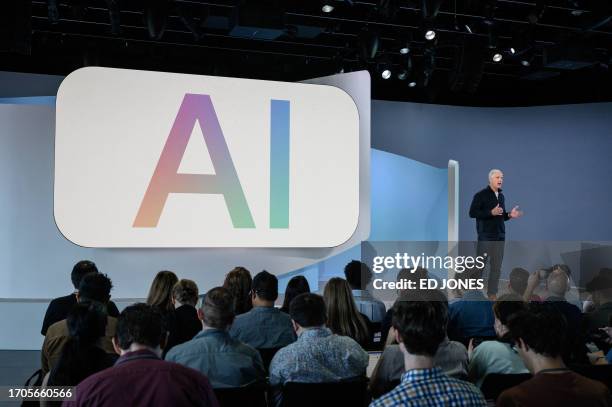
[464,386]
[60,328]
[64,300]
[595,387]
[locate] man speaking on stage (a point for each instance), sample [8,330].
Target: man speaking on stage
[488,207]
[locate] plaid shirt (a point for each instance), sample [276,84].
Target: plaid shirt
[431,388]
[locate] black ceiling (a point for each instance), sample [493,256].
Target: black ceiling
[553,51]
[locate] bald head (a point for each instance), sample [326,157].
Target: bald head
[558,283]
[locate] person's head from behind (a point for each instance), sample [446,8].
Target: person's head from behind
[86,323]
[415,275]
[265,289]
[343,318]
[600,288]
[239,282]
[558,282]
[217,310]
[160,293]
[296,286]
[518,280]
[358,274]
[94,287]
[140,327]
[539,333]
[307,311]
[185,292]
[420,326]
[503,308]
[80,270]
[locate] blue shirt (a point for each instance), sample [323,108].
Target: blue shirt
[226,362]
[263,328]
[431,388]
[318,356]
[470,317]
[369,306]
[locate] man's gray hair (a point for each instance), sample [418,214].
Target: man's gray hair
[493,171]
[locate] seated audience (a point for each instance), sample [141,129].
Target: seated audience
[60,307]
[342,315]
[263,327]
[318,355]
[517,283]
[539,333]
[226,361]
[498,356]
[296,286]
[238,282]
[160,296]
[470,316]
[601,295]
[140,377]
[94,288]
[451,357]
[186,321]
[419,329]
[80,357]
[359,275]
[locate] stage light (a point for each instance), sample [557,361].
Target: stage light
[497,57]
[369,42]
[404,50]
[412,84]
[327,8]
[386,74]
[402,75]
[468,29]
[525,62]
[430,35]
[512,51]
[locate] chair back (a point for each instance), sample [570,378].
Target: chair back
[252,395]
[601,373]
[266,355]
[495,383]
[345,393]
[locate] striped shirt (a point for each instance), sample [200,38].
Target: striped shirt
[431,388]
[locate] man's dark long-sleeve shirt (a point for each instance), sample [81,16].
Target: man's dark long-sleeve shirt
[489,227]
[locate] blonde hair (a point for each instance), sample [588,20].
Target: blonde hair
[342,315]
[160,293]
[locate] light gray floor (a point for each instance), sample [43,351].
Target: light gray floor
[15,368]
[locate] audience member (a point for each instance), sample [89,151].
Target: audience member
[471,316]
[94,288]
[226,361]
[517,284]
[601,295]
[419,329]
[451,357]
[238,282]
[80,357]
[186,322]
[160,293]
[359,275]
[318,355]
[342,315]
[60,307]
[498,356]
[539,333]
[140,377]
[263,327]
[296,286]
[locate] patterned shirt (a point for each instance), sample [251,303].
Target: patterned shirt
[431,388]
[318,356]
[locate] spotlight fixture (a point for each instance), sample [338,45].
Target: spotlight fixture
[512,51]
[525,62]
[386,74]
[327,8]
[412,84]
[402,75]
[497,57]
[430,35]
[404,50]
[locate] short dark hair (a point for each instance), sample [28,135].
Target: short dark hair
[518,280]
[186,292]
[265,285]
[87,322]
[308,310]
[95,287]
[541,326]
[80,270]
[142,324]
[507,305]
[358,274]
[421,325]
[218,308]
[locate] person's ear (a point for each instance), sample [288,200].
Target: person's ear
[200,314]
[116,346]
[78,297]
[295,326]
[398,338]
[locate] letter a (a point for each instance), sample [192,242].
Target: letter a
[166,179]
